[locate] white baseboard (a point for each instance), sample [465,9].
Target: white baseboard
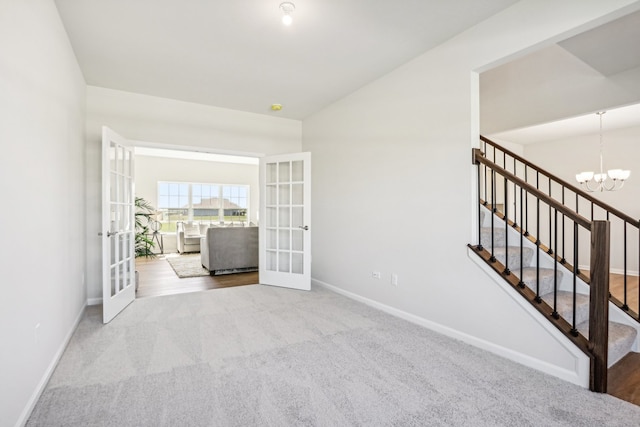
[24,416]
[612,270]
[94,301]
[524,359]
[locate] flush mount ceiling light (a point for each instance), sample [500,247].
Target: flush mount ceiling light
[287,9]
[598,182]
[276,107]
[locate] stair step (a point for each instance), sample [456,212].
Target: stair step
[565,306]
[514,256]
[546,279]
[498,237]
[621,339]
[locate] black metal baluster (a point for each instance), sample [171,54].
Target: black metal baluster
[521,282]
[563,260]
[526,205]
[506,271]
[515,199]
[549,250]
[555,268]
[486,190]
[493,210]
[625,306]
[538,298]
[575,241]
[479,247]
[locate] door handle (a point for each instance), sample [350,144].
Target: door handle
[304,227]
[115,233]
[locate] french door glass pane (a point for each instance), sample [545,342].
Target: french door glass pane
[284,172]
[284,239]
[122,278]
[271,195]
[114,248]
[113,186]
[296,217]
[283,217]
[297,240]
[283,262]
[297,194]
[272,217]
[272,173]
[272,260]
[297,263]
[113,157]
[284,193]
[297,171]
[127,163]
[272,239]
[114,278]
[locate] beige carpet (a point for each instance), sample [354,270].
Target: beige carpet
[187,265]
[265,356]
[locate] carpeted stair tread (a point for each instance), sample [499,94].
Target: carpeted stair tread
[621,339]
[498,237]
[546,279]
[565,306]
[514,256]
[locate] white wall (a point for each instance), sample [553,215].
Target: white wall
[396,155]
[528,91]
[42,95]
[566,157]
[150,170]
[174,124]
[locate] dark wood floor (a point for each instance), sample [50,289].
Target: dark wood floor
[156,278]
[624,379]
[616,287]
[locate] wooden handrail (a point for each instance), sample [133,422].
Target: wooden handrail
[479,157]
[565,184]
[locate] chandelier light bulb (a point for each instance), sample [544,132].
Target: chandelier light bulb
[287,9]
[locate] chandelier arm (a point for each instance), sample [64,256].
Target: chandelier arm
[588,187]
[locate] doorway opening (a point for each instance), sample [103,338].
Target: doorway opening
[190,191]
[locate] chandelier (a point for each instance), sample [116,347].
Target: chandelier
[287,9]
[598,181]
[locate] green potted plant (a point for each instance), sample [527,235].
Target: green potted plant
[145,222]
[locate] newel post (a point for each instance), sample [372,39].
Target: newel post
[599,305]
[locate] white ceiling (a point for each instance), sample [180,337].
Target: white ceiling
[553,93]
[617,118]
[238,55]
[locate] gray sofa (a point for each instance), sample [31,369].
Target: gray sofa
[225,250]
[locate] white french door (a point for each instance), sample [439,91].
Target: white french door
[285,218]
[118,224]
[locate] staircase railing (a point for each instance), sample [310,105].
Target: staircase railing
[536,203]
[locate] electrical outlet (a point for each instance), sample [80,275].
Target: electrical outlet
[394,279]
[376,275]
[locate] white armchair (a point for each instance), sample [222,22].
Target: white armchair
[188,236]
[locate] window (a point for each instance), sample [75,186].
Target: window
[179,201]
